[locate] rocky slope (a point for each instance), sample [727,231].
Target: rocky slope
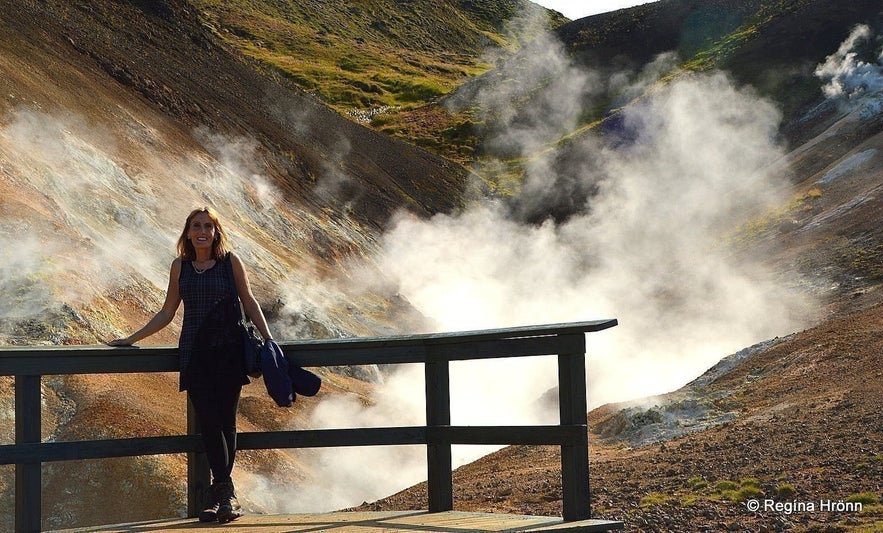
[795,422]
[117,118]
[792,424]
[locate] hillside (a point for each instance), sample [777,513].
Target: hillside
[759,43]
[763,424]
[69,75]
[708,173]
[175,73]
[794,419]
[380,62]
[375,54]
[116,120]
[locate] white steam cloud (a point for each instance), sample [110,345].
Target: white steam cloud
[649,249]
[851,79]
[89,216]
[235,155]
[847,74]
[84,208]
[345,477]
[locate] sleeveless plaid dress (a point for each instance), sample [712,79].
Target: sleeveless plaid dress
[210,345]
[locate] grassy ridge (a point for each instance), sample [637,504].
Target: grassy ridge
[372,53]
[387,62]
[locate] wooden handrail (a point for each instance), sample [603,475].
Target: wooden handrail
[435,351]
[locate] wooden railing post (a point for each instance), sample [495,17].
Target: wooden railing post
[28,417]
[574,456]
[198,472]
[438,454]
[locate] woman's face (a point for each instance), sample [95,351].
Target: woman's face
[202,231]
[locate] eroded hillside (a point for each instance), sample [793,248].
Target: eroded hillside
[116,121]
[118,118]
[792,422]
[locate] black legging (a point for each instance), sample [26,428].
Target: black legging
[216,414]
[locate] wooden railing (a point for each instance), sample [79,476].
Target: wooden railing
[435,351]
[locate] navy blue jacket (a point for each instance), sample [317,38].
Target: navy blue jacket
[284,379]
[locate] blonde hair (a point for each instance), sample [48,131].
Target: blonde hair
[220,245]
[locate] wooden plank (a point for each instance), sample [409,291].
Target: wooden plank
[464,336]
[464,521]
[439,475]
[373,521]
[328,438]
[97,449]
[56,360]
[335,355]
[36,452]
[574,456]
[28,483]
[342,354]
[504,348]
[532,435]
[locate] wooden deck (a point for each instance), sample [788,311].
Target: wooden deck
[370,522]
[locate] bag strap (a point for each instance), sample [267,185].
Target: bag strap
[229,267]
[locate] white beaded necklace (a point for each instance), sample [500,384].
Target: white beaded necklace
[198,271]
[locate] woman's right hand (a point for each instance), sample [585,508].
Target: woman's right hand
[120,342]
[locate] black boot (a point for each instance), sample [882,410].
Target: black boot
[210,513]
[228,506]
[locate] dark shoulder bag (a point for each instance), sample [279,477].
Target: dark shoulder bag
[252,341]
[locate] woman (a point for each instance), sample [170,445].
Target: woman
[210,346]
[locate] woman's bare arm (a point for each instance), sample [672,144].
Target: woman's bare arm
[165,315]
[251,306]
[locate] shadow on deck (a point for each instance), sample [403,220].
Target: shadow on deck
[369,522]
